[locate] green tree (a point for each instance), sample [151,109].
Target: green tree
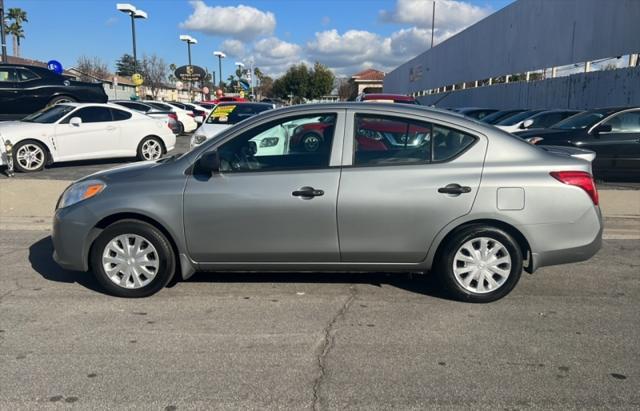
[125,65]
[13,27]
[322,80]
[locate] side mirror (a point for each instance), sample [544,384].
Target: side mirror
[526,124]
[75,121]
[602,128]
[208,164]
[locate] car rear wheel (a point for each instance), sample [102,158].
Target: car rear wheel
[60,100]
[480,264]
[150,148]
[132,259]
[29,156]
[180,128]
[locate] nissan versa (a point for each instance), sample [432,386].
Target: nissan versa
[383,187]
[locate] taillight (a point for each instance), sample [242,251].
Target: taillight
[173,116]
[580,179]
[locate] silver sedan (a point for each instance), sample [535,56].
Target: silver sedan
[337,187]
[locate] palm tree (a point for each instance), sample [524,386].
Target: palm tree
[15,17]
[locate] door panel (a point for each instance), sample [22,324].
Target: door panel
[96,137]
[257,208]
[391,213]
[253,217]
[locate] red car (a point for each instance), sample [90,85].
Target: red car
[387,98]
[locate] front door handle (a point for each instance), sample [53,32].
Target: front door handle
[307,192]
[454,189]
[111,128]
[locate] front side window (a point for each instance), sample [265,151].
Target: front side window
[580,121]
[383,140]
[294,143]
[628,122]
[91,115]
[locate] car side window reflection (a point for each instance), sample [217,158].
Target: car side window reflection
[628,122]
[90,115]
[294,143]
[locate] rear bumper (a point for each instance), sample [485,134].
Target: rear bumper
[584,246]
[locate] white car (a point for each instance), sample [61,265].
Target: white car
[75,131]
[224,116]
[186,122]
[515,123]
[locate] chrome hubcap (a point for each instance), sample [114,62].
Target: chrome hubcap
[151,150]
[482,265]
[130,261]
[30,157]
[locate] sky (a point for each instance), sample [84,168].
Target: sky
[345,35]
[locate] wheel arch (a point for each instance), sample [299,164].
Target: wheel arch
[184,266]
[518,236]
[48,146]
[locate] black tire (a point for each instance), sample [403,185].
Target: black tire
[311,142]
[180,128]
[43,156]
[164,251]
[61,99]
[445,263]
[139,154]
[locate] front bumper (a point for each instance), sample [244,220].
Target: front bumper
[72,236]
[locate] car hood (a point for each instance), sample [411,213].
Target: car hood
[15,129]
[210,130]
[125,172]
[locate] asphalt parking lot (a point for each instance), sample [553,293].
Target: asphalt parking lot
[566,338]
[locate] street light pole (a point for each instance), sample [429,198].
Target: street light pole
[189,40]
[2,34]
[134,13]
[220,56]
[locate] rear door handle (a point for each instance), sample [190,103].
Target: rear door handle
[454,189]
[307,192]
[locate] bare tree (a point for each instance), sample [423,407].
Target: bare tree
[347,89]
[154,71]
[92,69]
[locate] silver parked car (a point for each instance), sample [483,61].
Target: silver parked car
[339,187]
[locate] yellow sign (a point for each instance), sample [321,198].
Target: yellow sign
[137,79]
[222,110]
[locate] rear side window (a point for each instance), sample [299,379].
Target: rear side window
[7,74]
[26,75]
[383,140]
[119,115]
[135,106]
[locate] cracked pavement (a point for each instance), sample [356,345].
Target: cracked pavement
[566,338]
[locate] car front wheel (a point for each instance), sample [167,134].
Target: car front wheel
[29,156]
[132,259]
[480,264]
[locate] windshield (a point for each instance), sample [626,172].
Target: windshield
[234,113]
[515,119]
[580,121]
[49,115]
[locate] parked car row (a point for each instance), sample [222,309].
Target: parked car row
[612,133]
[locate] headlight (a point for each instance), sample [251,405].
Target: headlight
[269,142]
[534,140]
[199,139]
[80,191]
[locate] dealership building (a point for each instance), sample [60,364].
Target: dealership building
[533,54]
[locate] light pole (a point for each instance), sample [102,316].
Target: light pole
[2,37]
[134,14]
[220,56]
[241,68]
[189,40]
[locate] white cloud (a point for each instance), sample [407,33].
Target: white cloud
[274,56]
[241,22]
[232,47]
[451,15]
